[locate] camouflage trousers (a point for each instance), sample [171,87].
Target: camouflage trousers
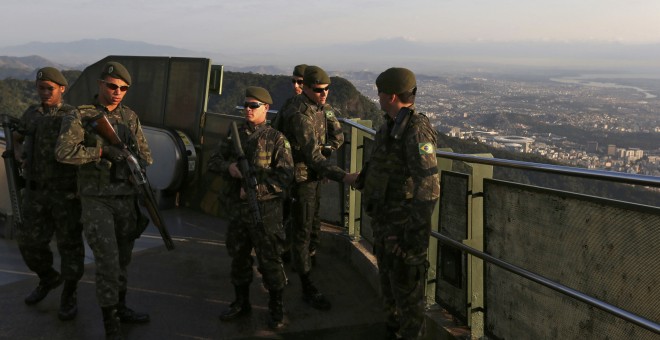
[314,235]
[304,216]
[243,236]
[49,213]
[110,227]
[402,286]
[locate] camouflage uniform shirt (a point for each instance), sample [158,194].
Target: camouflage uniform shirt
[402,183]
[335,133]
[42,129]
[267,150]
[79,145]
[306,126]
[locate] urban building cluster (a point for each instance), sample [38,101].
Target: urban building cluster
[552,118]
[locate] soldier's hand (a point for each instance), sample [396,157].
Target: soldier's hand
[351,178]
[397,250]
[234,172]
[243,194]
[113,153]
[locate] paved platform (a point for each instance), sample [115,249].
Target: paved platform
[186,289]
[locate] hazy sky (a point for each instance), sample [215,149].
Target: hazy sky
[214,25]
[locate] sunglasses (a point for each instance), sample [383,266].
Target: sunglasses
[321,89]
[297,81]
[114,87]
[253,105]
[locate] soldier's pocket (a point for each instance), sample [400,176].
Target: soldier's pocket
[271,213]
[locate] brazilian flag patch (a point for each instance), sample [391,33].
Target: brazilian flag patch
[329,114]
[286,144]
[425,148]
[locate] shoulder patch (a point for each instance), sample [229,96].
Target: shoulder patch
[329,114]
[426,148]
[287,144]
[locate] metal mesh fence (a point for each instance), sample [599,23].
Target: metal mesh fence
[451,278]
[604,248]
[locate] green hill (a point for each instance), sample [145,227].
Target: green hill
[343,95]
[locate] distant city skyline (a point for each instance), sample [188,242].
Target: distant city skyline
[256,25]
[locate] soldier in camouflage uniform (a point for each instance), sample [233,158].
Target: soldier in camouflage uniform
[269,154]
[400,189]
[306,123]
[50,203]
[335,139]
[277,123]
[110,214]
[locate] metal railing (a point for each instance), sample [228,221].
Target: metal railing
[619,177]
[546,168]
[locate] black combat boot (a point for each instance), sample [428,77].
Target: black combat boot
[241,306]
[128,315]
[111,323]
[46,284]
[275,308]
[68,301]
[311,295]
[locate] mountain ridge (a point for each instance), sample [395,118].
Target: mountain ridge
[432,58]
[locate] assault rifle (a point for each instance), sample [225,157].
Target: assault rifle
[249,180]
[103,128]
[10,124]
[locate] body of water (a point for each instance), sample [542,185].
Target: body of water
[592,80]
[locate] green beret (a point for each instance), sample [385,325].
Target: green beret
[299,70]
[396,80]
[52,74]
[259,93]
[116,70]
[315,75]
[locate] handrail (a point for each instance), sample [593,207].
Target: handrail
[616,311]
[611,176]
[357,125]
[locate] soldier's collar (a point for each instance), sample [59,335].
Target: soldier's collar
[48,109]
[254,128]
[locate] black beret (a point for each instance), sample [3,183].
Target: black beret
[116,70]
[299,70]
[315,75]
[396,80]
[52,74]
[259,93]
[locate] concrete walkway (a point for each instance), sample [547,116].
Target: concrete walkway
[186,289]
